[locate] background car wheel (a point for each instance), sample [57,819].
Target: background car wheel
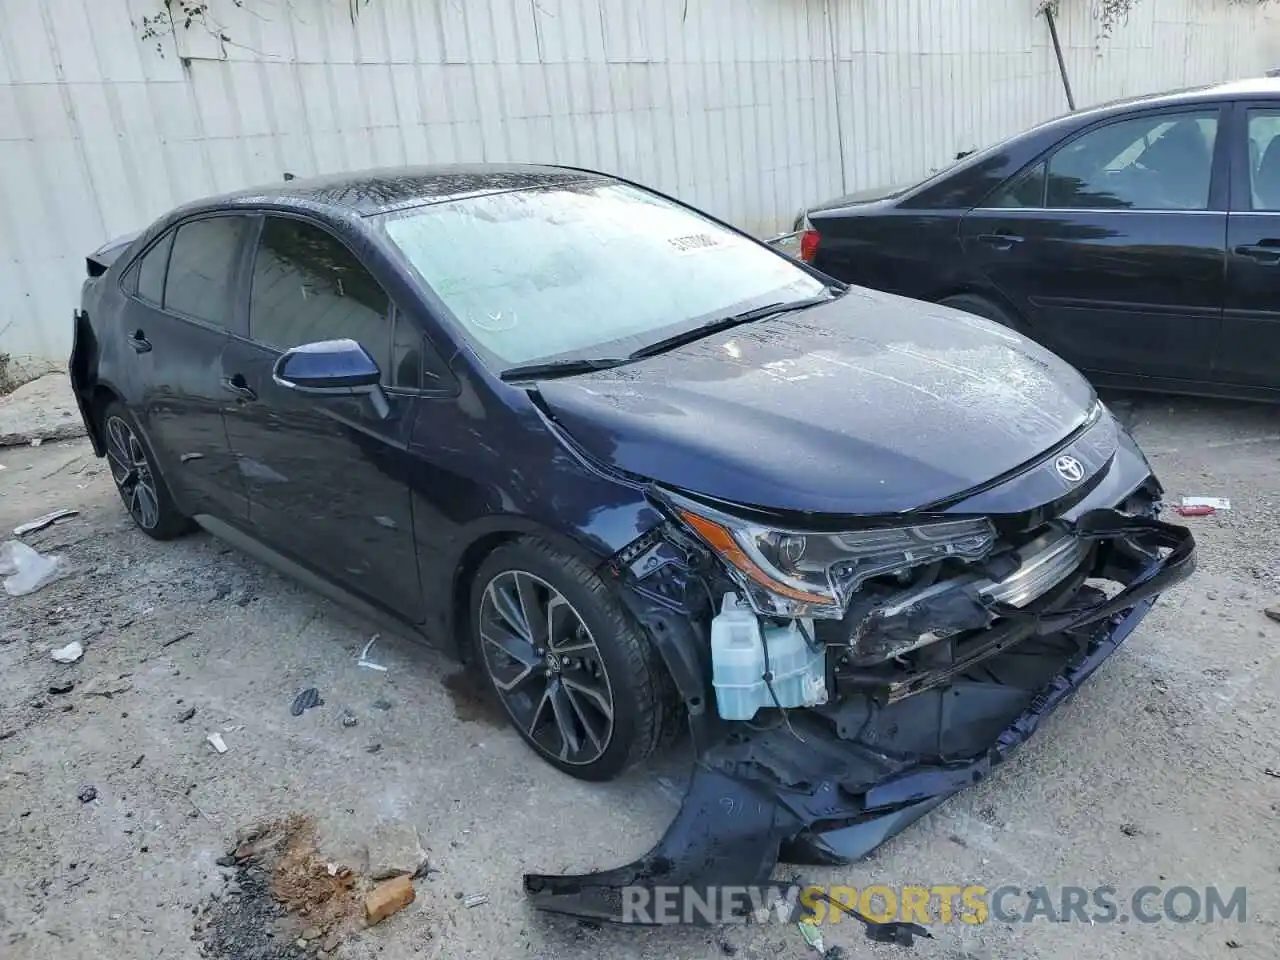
[980,306]
[141,486]
[578,679]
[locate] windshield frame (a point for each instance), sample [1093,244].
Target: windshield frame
[615,349]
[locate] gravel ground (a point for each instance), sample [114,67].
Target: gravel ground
[1153,774]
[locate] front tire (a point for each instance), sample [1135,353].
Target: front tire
[577,677]
[142,488]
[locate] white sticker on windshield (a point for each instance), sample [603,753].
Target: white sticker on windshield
[694,242]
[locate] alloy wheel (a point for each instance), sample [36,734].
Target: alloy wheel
[132,473]
[546,667]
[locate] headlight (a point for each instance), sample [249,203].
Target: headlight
[792,573]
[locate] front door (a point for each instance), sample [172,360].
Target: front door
[1112,247]
[327,476]
[179,321]
[1249,353]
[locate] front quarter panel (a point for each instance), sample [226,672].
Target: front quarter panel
[489,466]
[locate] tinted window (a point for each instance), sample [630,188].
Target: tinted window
[593,269]
[151,270]
[1160,162]
[1025,191]
[1264,158]
[202,269]
[307,287]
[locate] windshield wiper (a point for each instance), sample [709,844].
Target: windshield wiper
[733,320]
[559,368]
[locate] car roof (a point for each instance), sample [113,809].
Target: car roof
[370,192]
[1261,87]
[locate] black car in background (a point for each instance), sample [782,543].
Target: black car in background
[638,471]
[1138,240]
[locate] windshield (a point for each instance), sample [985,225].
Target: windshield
[585,270]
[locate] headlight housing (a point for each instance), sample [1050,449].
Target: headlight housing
[794,573]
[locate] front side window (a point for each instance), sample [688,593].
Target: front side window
[1026,190]
[587,270]
[307,287]
[202,268]
[1162,162]
[1264,159]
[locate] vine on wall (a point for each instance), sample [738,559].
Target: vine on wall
[186,15]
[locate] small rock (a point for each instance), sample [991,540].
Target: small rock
[388,898]
[371,748]
[1130,830]
[186,714]
[1273,613]
[311,933]
[62,686]
[227,861]
[88,793]
[1234,944]
[349,720]
[382,704]
[72,652]
[330,943]
[395,849]
[39,703]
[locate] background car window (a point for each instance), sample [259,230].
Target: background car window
[1264,158]
[1162,162]
[1025,191]
[307,286]
[202,269]
[151,271]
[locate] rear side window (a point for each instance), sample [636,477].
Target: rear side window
[202,269]
[151,271]
[307,287]
[1157,162]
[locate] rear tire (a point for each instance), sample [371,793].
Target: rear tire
[981,306]
[577,677]
[133,468]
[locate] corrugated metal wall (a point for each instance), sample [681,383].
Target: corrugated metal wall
[750,108]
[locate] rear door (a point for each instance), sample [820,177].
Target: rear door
[1112,246]
[327,476]
[179,319]
[1249,353]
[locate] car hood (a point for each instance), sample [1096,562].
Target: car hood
[868,404]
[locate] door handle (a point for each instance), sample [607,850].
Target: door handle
[239,387]
[139,342]
[1268,251]
[1001,241]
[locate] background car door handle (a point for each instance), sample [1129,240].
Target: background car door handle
[139,342]
[1001,241]
[239,387]
[1268,251]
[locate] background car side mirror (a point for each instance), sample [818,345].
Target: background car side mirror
[332,368]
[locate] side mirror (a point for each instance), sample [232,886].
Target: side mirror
[332,368]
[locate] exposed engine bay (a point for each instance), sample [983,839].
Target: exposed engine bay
[824,723]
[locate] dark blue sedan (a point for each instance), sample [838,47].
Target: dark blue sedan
[641,472]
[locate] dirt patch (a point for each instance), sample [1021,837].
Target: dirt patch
[473,699]
[285,901]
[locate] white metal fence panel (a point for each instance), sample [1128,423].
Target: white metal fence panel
[750,108]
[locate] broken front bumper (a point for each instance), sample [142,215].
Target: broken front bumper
[871,763]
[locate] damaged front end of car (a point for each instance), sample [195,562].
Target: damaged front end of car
[841,681]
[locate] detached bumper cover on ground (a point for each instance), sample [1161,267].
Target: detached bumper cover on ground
[866,768]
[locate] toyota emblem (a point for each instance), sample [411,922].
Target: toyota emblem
[1070,469]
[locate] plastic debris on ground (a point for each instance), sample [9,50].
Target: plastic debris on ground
[305,700]
[39,523]
[1273,613]
[475,900]
[72,652]
[812,934]
[1217,503]
[26,570]
[364,660]
[216,741]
